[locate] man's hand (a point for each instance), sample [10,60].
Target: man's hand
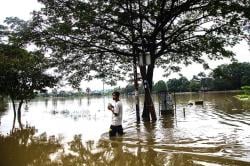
[110,107]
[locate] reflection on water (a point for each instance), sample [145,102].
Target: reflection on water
[74,132]
[22,148]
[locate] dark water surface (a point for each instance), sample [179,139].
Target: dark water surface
[73,131]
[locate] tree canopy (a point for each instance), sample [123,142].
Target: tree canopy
[232,76]
[178,85]
[160,86]
[86,36]
[22,74]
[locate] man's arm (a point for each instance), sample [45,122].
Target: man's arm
[116,110]
[116,114]
[111,108]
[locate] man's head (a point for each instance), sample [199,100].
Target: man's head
[115,95]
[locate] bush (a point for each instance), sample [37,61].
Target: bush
[246,90]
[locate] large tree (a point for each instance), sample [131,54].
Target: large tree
[22,74]
[87,38]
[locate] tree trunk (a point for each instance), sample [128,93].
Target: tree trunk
[147,77]
[19,114]
[14,110]
[137,101]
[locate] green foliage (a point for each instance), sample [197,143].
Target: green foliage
[224,77]
[194,86]
[22,73]
[231,76]
[242,97]
[246,90]
[201,82]
[178,85]
[160,86]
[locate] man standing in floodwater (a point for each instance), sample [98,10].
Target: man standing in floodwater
[116,109]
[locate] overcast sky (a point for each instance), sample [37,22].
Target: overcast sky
[23,8]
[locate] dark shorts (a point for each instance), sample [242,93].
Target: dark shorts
[114,130]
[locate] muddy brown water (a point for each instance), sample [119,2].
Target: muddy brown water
[73,131]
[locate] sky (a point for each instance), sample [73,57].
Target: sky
[23,8]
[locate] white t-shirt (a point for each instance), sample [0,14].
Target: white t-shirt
[117,120]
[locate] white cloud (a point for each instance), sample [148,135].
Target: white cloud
[17,8]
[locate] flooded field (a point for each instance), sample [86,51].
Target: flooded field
[74,131]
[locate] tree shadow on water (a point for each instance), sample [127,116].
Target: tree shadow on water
[21,147]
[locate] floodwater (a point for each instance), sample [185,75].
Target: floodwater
[73,131]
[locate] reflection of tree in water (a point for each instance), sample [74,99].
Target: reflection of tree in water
[54,102]
[22,148]
[150,156]
[88,101]
[109,152]
[246,105]
[82,154]
[167,121]
[46,101]
[80,101]
[3,107]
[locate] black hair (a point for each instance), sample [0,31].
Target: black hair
[116,93]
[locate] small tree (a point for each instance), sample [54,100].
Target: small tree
[22,75]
